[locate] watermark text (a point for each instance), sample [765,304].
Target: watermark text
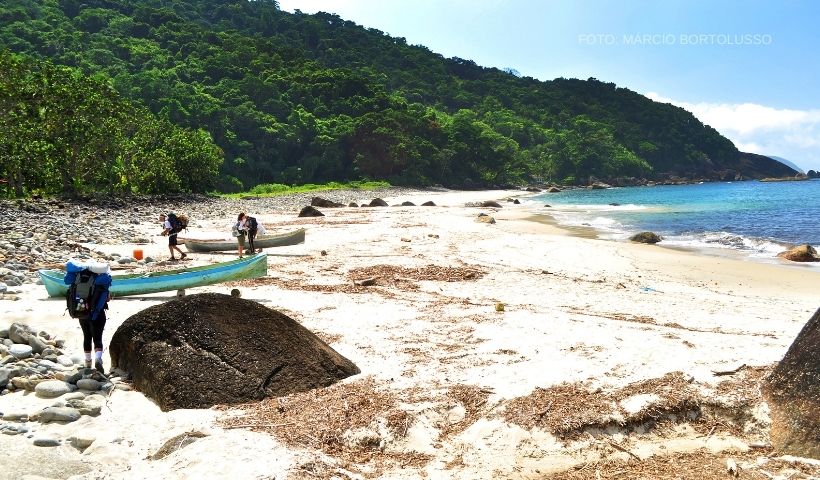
[666,39]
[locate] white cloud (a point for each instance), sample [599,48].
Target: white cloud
[748,147]
[787,133]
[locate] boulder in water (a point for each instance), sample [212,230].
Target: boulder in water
[377,202]
[646,237]
[793,394]
[210,348]
[800,253]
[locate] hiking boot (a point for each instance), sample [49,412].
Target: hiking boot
[184,255]
[172,259]
[99,366]
[88,364]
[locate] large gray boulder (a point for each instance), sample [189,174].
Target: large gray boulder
[793,394]
[19,333]
[207,349]
[52,388]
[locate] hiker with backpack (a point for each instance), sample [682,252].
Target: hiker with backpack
[252,227]
[171,226]
[87,300]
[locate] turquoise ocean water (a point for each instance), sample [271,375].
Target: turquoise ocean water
[758,219]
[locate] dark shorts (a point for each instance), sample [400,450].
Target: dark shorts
[172,239]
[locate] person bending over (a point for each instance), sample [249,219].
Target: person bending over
[239,232]
[252,227]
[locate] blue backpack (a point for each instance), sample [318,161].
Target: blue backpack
[178,222]
[88,290]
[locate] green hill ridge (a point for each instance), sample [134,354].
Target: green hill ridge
[296,98]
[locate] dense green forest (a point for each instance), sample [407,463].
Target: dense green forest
[296,98]
[63,132]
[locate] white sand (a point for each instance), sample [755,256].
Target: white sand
[567,305]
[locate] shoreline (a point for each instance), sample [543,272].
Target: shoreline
[593,233]
[705,248]
[613,319]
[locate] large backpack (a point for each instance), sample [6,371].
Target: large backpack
[178,222]
[251,223]
[80,297]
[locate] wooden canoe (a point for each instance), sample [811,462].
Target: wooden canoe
[254,266]
[262,241]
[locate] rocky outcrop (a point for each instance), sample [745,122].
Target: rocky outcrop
[428,203]
[377,202]
[324,203]
[646,237]
[554,190]
[813,174]
[754,166]
[793,394]
[310,212]
[209,349]
[800,253]
[484,218]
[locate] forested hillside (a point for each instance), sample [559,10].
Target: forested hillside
[295,98]
[62,132]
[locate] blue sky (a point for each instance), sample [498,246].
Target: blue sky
[748,68]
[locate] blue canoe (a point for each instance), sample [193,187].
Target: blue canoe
[254,266]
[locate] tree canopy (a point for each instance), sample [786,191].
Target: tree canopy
[63,132]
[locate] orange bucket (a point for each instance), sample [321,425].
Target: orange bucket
[138,254]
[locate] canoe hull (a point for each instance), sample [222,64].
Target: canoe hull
[265,241]
[254,266]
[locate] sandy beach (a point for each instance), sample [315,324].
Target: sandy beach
[515,349]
